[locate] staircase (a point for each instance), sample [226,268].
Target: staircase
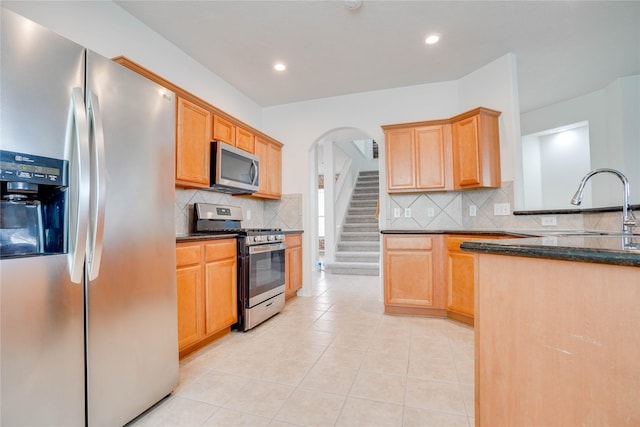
[358,250]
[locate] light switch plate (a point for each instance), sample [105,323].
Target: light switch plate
[549,221]
[473,210]
[407,212]
[396,212]
[500,209]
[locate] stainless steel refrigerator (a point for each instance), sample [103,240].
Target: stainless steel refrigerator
[88,333]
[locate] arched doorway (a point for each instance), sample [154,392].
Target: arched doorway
[335,159]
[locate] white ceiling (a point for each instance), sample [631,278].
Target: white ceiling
[563,48]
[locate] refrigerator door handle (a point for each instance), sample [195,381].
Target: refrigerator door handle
[77,146]
[98,187]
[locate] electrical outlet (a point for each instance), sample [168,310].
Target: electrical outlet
[248,214]
[473,210]
[500,209]
[407,212]
[549,221]
[396,212]
[431,212]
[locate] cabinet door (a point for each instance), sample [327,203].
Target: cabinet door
[189,290]
[221,303]
[293,264]
[466,152]
[224,130]
[192,144]
[245,140]
[295,270]
[275,171]
[408,277]
[400,157]
[460,289]
[270,156]
[430,157]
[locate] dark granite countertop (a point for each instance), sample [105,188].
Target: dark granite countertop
[613,249]
[467,232]
[194,237]
[200,236]
[293,231]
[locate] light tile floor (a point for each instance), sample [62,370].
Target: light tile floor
[333,359]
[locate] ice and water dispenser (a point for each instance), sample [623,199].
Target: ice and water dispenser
[33,205]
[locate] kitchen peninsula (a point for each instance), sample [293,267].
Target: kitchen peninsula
[557,330]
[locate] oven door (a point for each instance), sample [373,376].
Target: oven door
[266,272]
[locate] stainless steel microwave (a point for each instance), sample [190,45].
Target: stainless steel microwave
[233,170]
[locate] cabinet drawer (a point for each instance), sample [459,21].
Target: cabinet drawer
[221,249]
[419,242]
[293,240]
[188,254]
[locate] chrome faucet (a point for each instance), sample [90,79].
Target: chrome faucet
[628,220]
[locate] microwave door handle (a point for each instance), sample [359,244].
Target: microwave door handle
[77,148]
[253,171]
[98,187]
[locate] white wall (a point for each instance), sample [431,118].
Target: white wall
[614,134]
[299,125]
[105,28]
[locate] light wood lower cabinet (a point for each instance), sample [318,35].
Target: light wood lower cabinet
[411,274]
[556,343]
[207,291]
[429,274]
[293,264]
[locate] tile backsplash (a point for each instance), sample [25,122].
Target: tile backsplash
[450,211]
[429,211]
[285,213]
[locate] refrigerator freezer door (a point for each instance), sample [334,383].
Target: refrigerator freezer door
[42,336]
[132,327]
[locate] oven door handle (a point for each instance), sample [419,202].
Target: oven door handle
[267,248]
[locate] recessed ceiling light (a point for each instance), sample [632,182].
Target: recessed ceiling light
[433,39]
[279,66]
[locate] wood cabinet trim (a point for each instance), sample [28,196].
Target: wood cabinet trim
[128,63]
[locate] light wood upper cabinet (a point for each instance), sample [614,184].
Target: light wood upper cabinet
[198,123]
[193,132]
[400,157]
[270,155]
[293,264]
[432,157]
[476,149]
[411,280]
[245,140]
[418,158]
[439,155]
[224,130]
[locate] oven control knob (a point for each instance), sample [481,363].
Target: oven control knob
[280,237]
[271,238]
[259,238]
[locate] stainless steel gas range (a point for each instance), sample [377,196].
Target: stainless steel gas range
[261,262]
